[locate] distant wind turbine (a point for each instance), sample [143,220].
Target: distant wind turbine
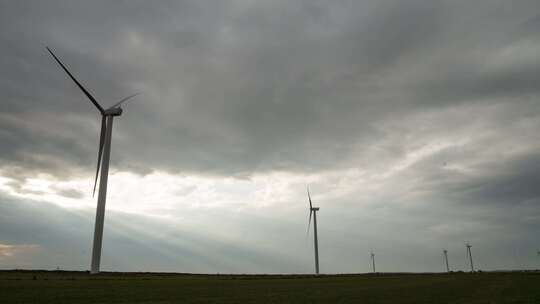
[315,240]
[470,255]
[446,260]
[104,152]
[373,261]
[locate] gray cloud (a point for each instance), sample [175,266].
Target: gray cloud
[235,87]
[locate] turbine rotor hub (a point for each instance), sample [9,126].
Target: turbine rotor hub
[113,112]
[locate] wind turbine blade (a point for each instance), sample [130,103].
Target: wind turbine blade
[309,222]
[100,152]
[310,211]
[92,99]
[310,206]
[123,100]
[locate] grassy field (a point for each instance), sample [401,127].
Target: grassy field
[79,287]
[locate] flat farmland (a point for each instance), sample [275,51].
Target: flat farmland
[80,287]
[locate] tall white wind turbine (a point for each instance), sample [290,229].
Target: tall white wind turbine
[315,240]
[104,152]
[445,252]
[373,261]
[470,255]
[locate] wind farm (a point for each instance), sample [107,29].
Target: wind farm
[166,152]
[353,284]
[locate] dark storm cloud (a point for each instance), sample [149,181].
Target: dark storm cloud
[501,182]
[239,87]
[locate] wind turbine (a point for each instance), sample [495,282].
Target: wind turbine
[104,152]
[446,259]
[470,255]
[373,261]
[315,240]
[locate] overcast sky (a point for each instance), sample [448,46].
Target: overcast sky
[416,125]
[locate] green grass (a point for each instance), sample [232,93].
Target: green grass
[79,287]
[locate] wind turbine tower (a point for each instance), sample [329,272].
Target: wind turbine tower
[446,260]
[470,255]
[373,261]
[104,152]
[313,210]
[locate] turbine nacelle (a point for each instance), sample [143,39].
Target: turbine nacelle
[315,209]
[113,112]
